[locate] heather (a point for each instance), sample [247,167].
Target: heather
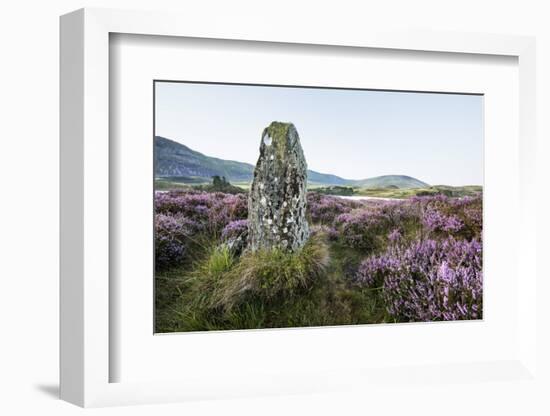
[213,211]
[428,280]
[173,236]
[234,229]
[367,261]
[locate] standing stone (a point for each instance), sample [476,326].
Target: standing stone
[277,199]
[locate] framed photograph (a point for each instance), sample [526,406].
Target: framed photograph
[252,237]
[273,214]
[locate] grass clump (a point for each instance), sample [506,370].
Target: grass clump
[220,261]
[261,289]
[208,275]
[273,273]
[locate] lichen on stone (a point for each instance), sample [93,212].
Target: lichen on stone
[277,199]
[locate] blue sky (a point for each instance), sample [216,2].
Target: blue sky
[356,134]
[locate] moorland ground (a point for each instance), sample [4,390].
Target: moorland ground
[417,258]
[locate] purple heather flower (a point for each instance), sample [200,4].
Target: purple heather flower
[428,280]
[234,229]
[395,235]
[172,234]
[213,210]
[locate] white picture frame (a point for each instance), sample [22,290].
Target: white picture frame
[85,211]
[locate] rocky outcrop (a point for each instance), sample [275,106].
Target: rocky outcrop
[277,199]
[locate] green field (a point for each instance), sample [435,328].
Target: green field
[389,192]
[451,191]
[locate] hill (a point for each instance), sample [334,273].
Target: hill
[180,164]
[386,181]
[174,159]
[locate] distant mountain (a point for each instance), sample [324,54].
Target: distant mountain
[175,160]
[399,181]
[326,179]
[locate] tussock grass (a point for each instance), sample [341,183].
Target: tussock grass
[272,273]
[265,289]
[221,281]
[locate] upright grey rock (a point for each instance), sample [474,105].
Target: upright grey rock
[277,199]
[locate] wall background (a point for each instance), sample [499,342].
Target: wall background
[29,182]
